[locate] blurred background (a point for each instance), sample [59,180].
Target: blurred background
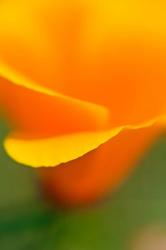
[132,218]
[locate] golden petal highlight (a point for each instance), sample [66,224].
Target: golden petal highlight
[50,152]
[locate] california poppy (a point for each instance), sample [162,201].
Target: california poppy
[84,85]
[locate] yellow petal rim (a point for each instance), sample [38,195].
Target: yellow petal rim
[50,152]
[18,79]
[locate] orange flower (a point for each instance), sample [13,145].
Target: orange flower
[84,84]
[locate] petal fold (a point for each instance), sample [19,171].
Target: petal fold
[50,152]
[38,111]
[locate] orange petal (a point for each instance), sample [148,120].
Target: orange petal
[24,43]
[122,58]
[38,111]
[63,148]
[88,178]
[109,52]
[114,56]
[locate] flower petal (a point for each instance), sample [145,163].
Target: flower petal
[38,111]
[100,51]
[88,178]
[24,44]
[60,149]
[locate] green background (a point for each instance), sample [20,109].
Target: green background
[28,222]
